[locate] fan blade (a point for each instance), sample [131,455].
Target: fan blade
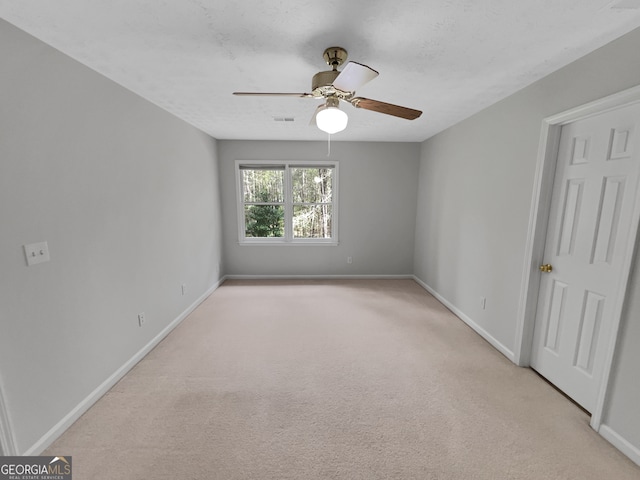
[353,76]
[272,94]
[387,108]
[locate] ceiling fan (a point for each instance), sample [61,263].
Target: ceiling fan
[334,86]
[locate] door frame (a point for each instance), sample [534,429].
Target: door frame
[7,441]
[537,232]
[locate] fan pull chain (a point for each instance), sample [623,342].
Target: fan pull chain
[328,144]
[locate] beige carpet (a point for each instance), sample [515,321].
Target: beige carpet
[341,379]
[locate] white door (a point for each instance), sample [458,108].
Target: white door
[592,207]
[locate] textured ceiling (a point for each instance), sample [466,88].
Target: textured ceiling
[449,58]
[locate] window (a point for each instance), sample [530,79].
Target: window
[287,202]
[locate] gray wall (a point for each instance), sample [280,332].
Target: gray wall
[127,197]
[377,195]
[623,413]
[475,190]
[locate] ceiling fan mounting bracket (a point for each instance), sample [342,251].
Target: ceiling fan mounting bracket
[335,56]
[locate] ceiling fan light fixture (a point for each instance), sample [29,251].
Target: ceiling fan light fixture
[331,119]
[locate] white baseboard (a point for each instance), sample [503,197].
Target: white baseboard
[615,439]
[318,277]
[466,319]
[58,429]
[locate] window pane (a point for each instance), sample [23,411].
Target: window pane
[311,185]
[263,185]
[312,221]
[263,221]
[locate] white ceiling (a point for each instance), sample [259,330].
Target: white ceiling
[449,58]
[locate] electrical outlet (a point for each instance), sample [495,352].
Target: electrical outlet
[483,303]
[141,319]
[184,289]
[349,259]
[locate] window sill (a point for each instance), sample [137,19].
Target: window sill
[310,243]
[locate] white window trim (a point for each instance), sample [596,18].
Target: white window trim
[288,239]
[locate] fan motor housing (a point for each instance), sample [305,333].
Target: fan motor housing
[324,79]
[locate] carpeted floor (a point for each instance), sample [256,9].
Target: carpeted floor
[349,379]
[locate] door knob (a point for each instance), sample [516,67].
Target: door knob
[546,268]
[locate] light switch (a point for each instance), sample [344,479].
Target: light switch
[36,253]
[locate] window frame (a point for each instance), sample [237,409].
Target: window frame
[288,238]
